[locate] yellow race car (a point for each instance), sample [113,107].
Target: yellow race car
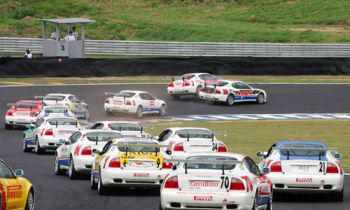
[16,192]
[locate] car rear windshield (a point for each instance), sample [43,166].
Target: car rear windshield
[195,133]
[221,83]
[54,98]
[56,110]
[62,121]
[124,127]
[139,146]
[125,94]
[102,136]
[185,77]
[207,77]
[302,150]
[26,105]
[211,162]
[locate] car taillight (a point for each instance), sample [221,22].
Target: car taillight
[201,89]
[225,92]
[48,132]
[171,84]
[167,165]
[179,147]
[107,101]
[276,167]
[114,163]
[128,103]
[86,151]
[9,113]
[237,184]
[222,148]
[332,168]
[185,84]
[172,182]
[217,91]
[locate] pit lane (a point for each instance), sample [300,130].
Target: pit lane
[56,192]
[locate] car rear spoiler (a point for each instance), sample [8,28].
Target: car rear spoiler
[11,104]
[306,148]
[140,145]
[39,97]
[111,93]
[208,161]
[223,133]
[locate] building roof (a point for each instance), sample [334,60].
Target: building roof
[69,20]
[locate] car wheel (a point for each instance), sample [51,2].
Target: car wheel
[175,96]
[269,205]
[109,113]
[93,184]
[197,92]
[102,190]
[25,146]
[139,111]
[38,149]
[340,196]
[162,110]
[58,170]
[256,202]
[30,201]
[72,174]
[8,126]
[230,100]
[261,98]
[160,206]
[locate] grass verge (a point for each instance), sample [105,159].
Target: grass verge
[248,137]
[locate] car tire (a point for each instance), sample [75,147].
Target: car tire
[8,126]
[175,96]
[57,168]
[230,101]
[260,99]
[256,202]
[25,146]
[197,92]
[30,204]
[269,205]
[339,196]
[162,111]
[109,113]
[139,111]
[102,190]
[38,150]
[93,184]
[160,206]
[72,174]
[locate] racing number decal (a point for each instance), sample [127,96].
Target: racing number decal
[225,182]
[322,167]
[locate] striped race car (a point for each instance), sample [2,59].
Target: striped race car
[16,192]
[304,167]
[230,92]
[129,163]
[22,113]
[189,84]
[216,181]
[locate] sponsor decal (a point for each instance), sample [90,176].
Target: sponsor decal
[203,198]
[243,92]
[141,175]
[14,191]
[304,180]
[195,183]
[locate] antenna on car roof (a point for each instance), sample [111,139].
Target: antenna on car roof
[126,150]
[319,155]
[212,137]
[141,129]
[287,154]
[223,168]
[185,167]
[188,137]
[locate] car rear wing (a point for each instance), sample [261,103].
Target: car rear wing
[111,93]
[11,104]
[222,133]
[126,145]
[208,161]
[39,97]
[320,153]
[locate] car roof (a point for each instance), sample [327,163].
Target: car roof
[239,157]
[107,122]
[230,81]
[58,106]
[134,91]
[316,143]
[59,94]
[133,139]
[183,128]
[85,131]
[29,101]
[61,117]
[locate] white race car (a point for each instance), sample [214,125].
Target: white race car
[185,140]
[46,133]
[230,92]
[78,107]
[189,84]
[216,181]
[303,167]
[130,163]
[55,111]
[22,113]
[76,153]
[126,128]
[137,102]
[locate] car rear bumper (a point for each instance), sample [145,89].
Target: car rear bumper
[83,164]
[120,108]
[182,91]
[19,120]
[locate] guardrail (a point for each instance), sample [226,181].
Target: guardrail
[186,49]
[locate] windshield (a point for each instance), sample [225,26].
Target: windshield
[5,172]
[124,127]
[56,110]
[302,150]
[63,121]
[125,94]
[139,146]
[54,98]
[195,133]
[211,162]
[25,105]
[102,136]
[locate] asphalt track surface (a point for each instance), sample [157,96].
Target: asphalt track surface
[58,192]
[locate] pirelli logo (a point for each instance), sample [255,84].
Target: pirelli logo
[195,183]
[304,180]
[203,198]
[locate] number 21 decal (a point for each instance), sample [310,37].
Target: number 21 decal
[322,167]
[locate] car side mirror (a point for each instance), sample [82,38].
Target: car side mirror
[174,167]
[35,114]
[261,154]
[96,151]
[155,137]
[337,155]
[65,141]
[266,170]
[168,152]
[19,172]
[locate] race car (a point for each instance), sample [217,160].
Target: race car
[78,107]
[76,153]
[22,113]
[216,181]
[131,163]
[16,192]
[55,111]
[304,167]
[46,133]
[182,141]
[126,128]
[189,84]
[230,92]
[134,101]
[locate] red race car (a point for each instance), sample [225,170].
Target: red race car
[22,113]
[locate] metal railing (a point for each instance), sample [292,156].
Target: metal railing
[186,49]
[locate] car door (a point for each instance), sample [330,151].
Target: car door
[65,149]
[13,187]
[148,103]
[99,157]
[245,91]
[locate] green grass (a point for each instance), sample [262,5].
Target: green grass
[165,79]
[248,137]
[325,21]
